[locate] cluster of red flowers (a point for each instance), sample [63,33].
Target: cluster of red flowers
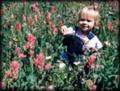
[35,9]
[30,21]
[39,62]
[89,63]
[14,70]
[18,26]
[30,43]
[19,54]
[91,60]
[48,20]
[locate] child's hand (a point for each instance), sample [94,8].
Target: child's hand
[66,30]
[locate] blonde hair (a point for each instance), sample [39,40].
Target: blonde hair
[91,11]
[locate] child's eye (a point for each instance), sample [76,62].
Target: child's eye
[82,19]
[88,20]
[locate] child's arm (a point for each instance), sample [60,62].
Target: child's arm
[65,30]
[94,43]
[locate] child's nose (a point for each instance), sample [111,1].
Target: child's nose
[84,22]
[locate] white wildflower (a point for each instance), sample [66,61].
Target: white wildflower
[61,65]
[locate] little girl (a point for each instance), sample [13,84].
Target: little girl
[81,39]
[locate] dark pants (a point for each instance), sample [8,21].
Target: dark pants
[74,47]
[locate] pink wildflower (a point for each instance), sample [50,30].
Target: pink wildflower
[24,18]
[27,45]
[39,61]
[30,43]
[93,88]
[18,26]
[8,74]
[30,38]
[14,66]
[34,7]
[19,54]
[47,66]
[91,59]
[30,21]
[17,50]
[52,8]
[90,84]
[54,29]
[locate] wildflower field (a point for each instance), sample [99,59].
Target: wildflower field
[31,43]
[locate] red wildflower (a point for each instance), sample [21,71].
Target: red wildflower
[91,59]
[60,23]
[91,85]
[47,66]
[27,45]
[19,54]
[30,38]
[14,67]
[30,41]
[90,63]
[93,88]
[8,74]
[24,18]
[34,7]
[39,61]
[30,21]
[48,18]
[18,26]
[17,50]
[54,29]
[52,8]
[110,26]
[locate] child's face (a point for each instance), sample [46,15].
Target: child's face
[87,22]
